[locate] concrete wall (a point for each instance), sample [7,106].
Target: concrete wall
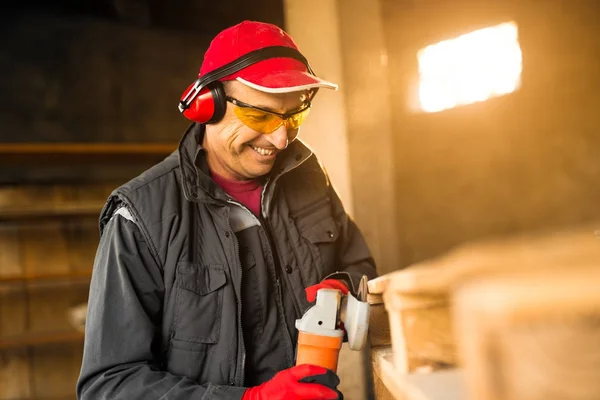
[314,25]
[351,129]
[526,161]
[423,183]
[370,133]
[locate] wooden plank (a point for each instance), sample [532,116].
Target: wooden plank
[421,332]
[15,375]
[43,210]
[55,370]
[10,257]
[13,313]
[531,335]
[382,362]
[379,326]
[45,268]
[95,192]
[417,298]
[429,332]
[44,248]
[438,385]
[39,278]
[380,391]
[379,284]
[40,339]
[43,201]
[83,153]
[13,305]
[49,308]
[521,252]
[23,198]
[14,364]
[82,238]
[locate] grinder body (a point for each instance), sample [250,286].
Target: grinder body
[320,335]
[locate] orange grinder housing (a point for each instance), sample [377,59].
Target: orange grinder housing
[319,339]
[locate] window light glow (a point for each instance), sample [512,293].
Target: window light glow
[470,68]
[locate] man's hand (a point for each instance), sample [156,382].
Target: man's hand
[286,385]
[311,291]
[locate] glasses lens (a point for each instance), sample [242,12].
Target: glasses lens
[265,122]
[258,120]
[297,119]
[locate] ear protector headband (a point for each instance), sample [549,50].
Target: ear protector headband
[204,101]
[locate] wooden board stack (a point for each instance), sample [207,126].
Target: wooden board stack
[439,307]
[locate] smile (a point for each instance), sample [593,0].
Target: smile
[263,152]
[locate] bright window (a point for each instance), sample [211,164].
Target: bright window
[470,68]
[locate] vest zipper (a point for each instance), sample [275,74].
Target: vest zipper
[242,365]
[279,298]
[276,267]
[264,212]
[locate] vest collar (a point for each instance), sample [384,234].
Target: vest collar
[195,175]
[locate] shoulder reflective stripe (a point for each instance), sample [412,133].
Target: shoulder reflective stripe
[124,212]
[240,218]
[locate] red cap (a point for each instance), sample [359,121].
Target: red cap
[274,75]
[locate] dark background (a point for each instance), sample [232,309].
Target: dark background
[103,72]
[107,71]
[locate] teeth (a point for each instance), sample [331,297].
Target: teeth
[262,152]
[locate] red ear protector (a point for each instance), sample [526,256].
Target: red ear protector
[204,100]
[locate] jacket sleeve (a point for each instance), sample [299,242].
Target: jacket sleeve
[355,259]
[123,325]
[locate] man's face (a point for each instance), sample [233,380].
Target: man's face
[238,152]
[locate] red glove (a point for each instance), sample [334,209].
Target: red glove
[285,386]
[311,291]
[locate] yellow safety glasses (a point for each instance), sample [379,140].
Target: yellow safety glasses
[265,121]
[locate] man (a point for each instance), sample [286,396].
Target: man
[207,259]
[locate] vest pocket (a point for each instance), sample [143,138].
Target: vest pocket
[187,359]
[324,231]
[199,301]
[322,238]
[310,214]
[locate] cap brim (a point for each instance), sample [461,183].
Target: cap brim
[286,81]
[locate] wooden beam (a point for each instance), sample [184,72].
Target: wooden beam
[83,153]
[40,201]
[40,339]
[437,385]
[83,276]
[418,298]
[531,334]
